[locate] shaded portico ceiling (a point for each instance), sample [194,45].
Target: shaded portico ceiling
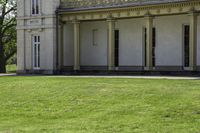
[74,5]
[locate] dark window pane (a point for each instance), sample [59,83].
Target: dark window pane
[38,38]
[37,7]
[186,45]
[33,7]
[145,46]
[154,47]
[38,55]
[35,56]
[116,48]
[35,39]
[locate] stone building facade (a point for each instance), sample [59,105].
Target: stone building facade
[55,36]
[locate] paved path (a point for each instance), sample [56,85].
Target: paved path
[132,77]
[11,74]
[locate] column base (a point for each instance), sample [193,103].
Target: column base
[193,68]
[111,68]
[148,68]
[77,68]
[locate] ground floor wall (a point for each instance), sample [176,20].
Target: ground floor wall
[168,50]
[47,51]
[94,45]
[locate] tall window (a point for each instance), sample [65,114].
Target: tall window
[153,46]
[116,48]
[186,45]
[35,7]
[36,52]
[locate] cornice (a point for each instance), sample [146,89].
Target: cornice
[128,12]
[36,17]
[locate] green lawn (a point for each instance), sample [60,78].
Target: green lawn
[98,105]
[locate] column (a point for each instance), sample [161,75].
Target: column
[149,28]
[61,47]
[76,45]
[193,41]
[111,44]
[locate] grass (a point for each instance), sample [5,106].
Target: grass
[11,68]
[98,105]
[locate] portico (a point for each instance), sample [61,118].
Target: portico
[146,57]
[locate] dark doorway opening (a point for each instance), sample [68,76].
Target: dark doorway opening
[116,48]
[186,46]
[153,46]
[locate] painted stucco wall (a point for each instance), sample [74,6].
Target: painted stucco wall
[93,55]
[198,41]
[43,25]
[47,7]
[130,42]
[68,44]
[169,40]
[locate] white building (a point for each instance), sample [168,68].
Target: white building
[103,35]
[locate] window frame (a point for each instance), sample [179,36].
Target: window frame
[36,52]
[186,67]
[154,45]
[34,7]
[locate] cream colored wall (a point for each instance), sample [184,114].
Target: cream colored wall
[93,55]
[169,43]
[43,25]
[47,7]
[48,59]
[198,41]
[169,40]
[68,44]
[130,41]
[20,50]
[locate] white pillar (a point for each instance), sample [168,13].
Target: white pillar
[193,41]
[76,45]
[111,44]
[149,27]
[61,47]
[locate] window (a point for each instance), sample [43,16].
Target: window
[153,46]
[186,45]
[35,7]
[36,52]
[116,48]
[94,37]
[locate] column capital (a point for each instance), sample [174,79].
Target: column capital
[148,15]
[110,18]
[193,13]
[75,21]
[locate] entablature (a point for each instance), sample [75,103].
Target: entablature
[131,12]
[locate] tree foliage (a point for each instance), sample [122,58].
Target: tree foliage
[7,31]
